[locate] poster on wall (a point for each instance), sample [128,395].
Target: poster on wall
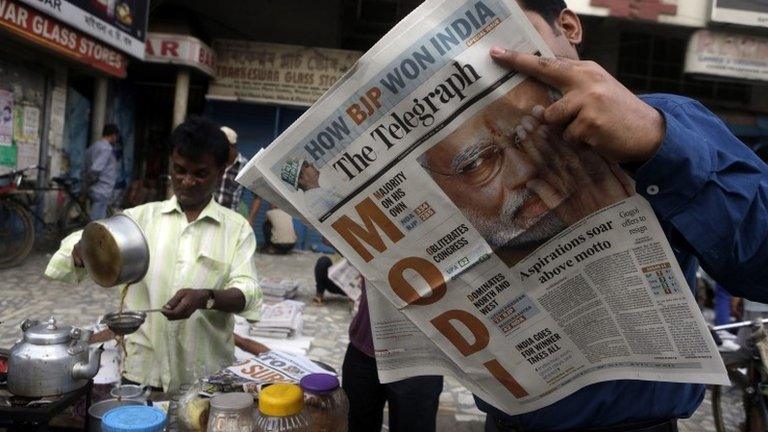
[120,23]
[744,12]
[6,118]
[7,158]
[275,73]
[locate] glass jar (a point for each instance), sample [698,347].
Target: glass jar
[231,412]
[281,410]
[325,403]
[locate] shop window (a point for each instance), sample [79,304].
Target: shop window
[650,63]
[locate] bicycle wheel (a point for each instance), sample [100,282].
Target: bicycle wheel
[17,233]
[717,410]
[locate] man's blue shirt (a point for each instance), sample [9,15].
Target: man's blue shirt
[710,194]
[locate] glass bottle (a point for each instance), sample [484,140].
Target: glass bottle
[325,403]
[281,409]
[231,412]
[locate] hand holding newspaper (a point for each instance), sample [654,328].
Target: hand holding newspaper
[525,266]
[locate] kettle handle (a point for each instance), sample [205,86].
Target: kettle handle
[28,324]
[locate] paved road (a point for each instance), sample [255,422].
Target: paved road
[24,293]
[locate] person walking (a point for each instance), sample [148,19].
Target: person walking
[100,172]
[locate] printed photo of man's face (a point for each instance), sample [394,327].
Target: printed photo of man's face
[514,178]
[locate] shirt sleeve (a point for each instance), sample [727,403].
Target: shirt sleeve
[710,192]
[242,273]
[61,267]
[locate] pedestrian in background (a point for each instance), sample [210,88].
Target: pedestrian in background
[229,192]
[100,172]
[279,235]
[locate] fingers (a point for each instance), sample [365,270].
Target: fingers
[563,111]
[175,300]
[182,310]
[626,181]
[77,256]
[556,72]
[551,197]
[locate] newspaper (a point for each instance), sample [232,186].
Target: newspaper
[524,266]
[347,278]
[274,366]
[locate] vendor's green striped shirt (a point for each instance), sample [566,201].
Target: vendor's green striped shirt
[215,251]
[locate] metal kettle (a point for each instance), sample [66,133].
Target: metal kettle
[51,360]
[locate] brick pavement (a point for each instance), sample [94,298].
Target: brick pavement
[26,294]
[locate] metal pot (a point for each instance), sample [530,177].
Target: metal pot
[97,410]
[51,360]
[115,251]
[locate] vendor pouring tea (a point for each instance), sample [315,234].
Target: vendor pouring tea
[201,269]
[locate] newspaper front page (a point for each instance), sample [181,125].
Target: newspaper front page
[524,266]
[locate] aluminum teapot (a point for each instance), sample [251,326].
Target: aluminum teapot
[51,360]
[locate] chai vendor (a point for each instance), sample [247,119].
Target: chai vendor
[201,269]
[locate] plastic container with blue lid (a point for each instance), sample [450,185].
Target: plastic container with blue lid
[136,418]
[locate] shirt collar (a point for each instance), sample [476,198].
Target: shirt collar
[211,211]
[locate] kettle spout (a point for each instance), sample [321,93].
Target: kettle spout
[86,371]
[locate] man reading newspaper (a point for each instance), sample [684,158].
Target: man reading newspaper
[491,205]
[707,188]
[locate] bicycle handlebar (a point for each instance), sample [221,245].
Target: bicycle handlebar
[738,325]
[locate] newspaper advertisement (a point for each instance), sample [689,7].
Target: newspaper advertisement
[523,265]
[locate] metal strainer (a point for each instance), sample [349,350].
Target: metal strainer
[124,323]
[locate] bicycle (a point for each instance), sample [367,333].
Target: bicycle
[17,216]
[747,369]
[17,228]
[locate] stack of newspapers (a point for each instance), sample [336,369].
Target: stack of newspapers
[280,320]
[278,289]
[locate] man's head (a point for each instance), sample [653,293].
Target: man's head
[7,114]
[199,156]
[484,172]
[300,174]
[232,139]
[559,26]
[110,133]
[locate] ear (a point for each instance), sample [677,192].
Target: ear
[570,24]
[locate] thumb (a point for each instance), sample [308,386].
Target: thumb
[174,301]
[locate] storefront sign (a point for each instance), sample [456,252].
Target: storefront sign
[119,23]
[279,74]
[745,12]
[727,55]
[688,13]
[42,30]
[180,50]
[649,10]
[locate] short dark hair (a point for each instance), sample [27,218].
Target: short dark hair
[198,136]
[548,9]
[110,129]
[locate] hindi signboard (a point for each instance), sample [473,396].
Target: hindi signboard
[274,73]
[119,23]
[42,30]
